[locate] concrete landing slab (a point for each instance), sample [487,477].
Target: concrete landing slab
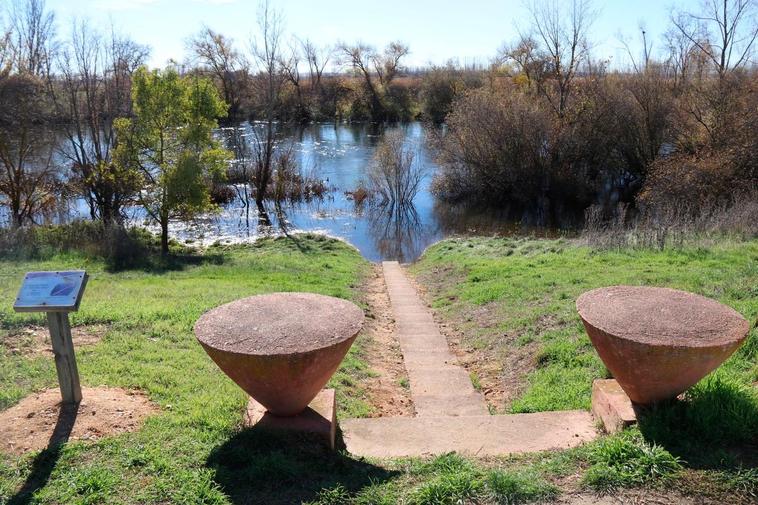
[394,437]
[612,406]
[318,419]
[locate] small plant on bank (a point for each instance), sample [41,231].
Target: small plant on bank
[743,481]
[475,381]
[627,460]
[448,488]
[336,495]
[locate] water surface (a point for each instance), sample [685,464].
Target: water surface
[338,154]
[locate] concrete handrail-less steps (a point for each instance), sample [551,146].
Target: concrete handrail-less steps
[451,414]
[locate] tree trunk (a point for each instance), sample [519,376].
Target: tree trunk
[16,218]
[164,237]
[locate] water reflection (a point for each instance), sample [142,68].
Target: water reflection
[338,155]
[397,231]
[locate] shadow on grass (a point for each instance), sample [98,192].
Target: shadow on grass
[154,263]
[260,466]
[45,461]
[714,427]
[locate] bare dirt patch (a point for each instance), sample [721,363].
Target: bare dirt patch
[502,375]
[634,497]
[39,420]
[383,354]
[35,340]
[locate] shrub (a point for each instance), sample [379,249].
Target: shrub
[395,174]
[441,86]
[120,247]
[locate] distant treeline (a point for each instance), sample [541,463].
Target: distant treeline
[545,129]
[554,130]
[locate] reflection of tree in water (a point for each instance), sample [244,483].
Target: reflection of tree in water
[265,223]
[470,220]
[397,231]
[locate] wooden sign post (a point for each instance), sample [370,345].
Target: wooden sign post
[57,294]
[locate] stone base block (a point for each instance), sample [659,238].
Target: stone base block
[612,406]
[319,418]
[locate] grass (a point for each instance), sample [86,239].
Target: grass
[529,288]
[627,460]
[526,290]
[149,345]
[193,450]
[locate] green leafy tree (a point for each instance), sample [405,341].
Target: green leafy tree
[170,143]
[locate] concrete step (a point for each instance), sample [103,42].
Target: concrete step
[412,328]
[393,437]
[427,357]
[423,340]
[449,404]
[442,380]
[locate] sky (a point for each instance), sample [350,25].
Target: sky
[436,30]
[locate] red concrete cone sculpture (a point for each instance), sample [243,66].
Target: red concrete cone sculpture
[281,348]
[657,342]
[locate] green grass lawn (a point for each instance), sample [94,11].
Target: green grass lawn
[527,289]
[149,345]
[193,451]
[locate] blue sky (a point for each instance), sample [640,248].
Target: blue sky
[469,30]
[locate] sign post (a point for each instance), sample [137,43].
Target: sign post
[57,294]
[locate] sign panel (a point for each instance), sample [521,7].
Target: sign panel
[51,291]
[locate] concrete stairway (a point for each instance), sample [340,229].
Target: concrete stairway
[439,386]
[451,414]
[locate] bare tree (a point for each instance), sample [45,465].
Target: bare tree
[267,54]
[722,36]
[561,29]
[360,57]
[217,55]
[395,173]
[91,91]
[125,56]
[367,62]
[725,32]
[6,50]
[290,64]
[27,180]
[643,64]
[387,65]
[680,56]
[32,36]
[528,58]
[317,59]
